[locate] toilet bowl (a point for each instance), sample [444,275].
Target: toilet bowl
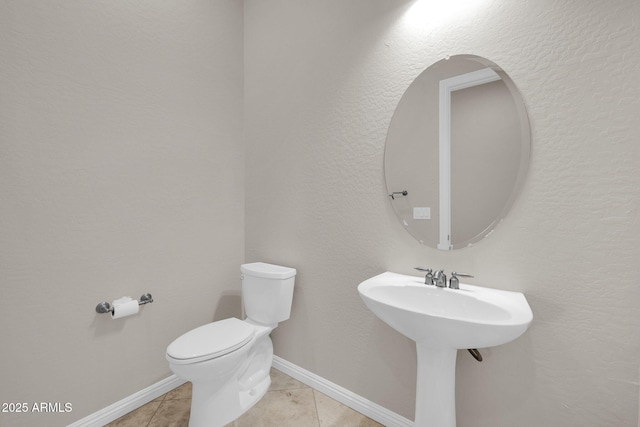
[228,361]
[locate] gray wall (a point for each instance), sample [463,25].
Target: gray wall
[121,172]
[322,81]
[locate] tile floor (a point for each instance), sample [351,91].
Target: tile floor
[288,403]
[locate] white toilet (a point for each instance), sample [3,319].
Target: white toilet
[228,361]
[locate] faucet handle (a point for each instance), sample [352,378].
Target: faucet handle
[428,278]
[454,282]
[461,274]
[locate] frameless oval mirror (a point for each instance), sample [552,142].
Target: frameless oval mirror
[457,152]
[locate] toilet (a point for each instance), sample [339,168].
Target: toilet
[228,361]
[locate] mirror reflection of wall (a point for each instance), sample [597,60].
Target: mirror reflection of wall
[484,124]
[489,147]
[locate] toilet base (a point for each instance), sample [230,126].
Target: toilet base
[213,405]
[218,407]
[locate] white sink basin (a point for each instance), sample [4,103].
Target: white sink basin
[469,317]
[441,321]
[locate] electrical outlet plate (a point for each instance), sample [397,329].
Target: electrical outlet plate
[421,213]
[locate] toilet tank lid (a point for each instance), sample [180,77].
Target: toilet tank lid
[269,271]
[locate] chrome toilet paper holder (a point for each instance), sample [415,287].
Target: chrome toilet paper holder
[105,307]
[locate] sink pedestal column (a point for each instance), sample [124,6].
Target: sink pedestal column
[436,386]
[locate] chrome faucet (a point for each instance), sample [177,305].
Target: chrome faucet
[440,279]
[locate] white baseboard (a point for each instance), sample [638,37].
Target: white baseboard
[342,395]
[128,404]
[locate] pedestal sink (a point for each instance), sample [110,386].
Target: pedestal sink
[441,321]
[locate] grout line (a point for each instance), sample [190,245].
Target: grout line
[156,411]
[315,403]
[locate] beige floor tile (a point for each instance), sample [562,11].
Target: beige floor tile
[335,414]
[281,408]
[172,413]
[282,381]
[137,418]
[182,392]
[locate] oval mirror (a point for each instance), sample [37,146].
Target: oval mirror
[457,152]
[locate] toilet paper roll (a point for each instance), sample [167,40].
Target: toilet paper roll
[125,306]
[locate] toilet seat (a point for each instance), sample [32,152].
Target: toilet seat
[210,341]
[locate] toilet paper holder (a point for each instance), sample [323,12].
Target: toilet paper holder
[105,307]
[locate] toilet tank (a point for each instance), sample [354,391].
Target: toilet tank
[267,291]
